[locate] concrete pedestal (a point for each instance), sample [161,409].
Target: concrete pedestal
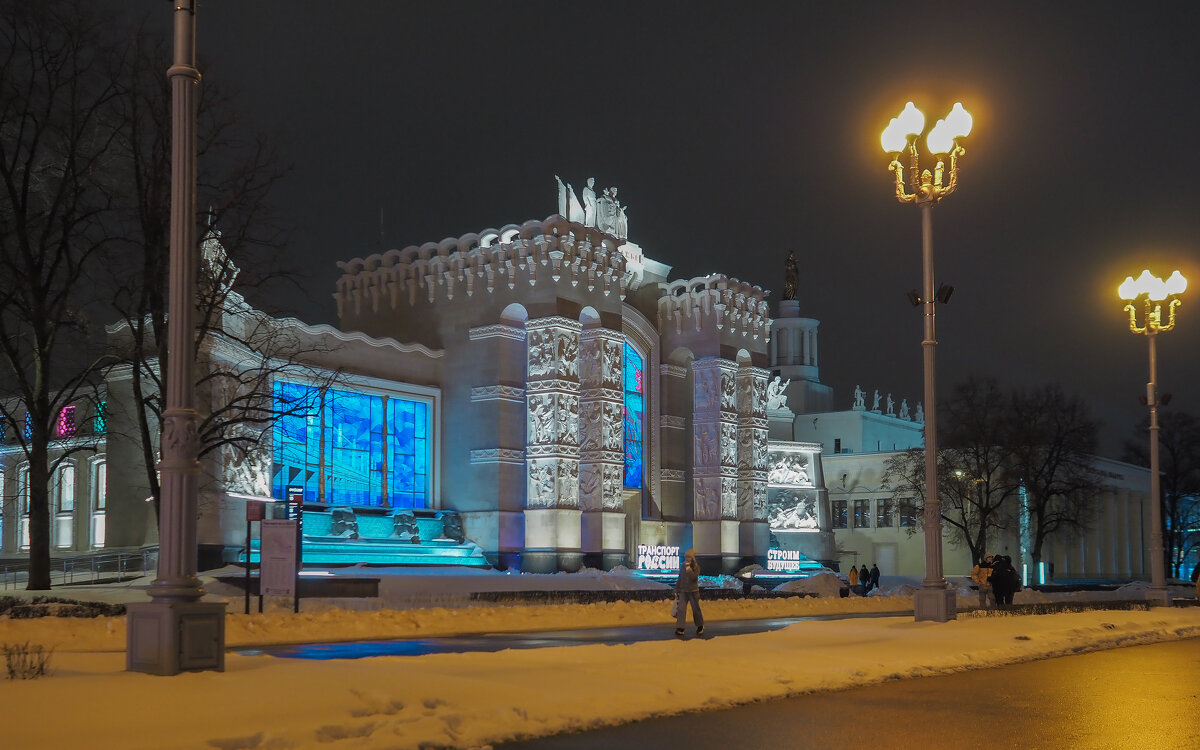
[934,605]
[166,638]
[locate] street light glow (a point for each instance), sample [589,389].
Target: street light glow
[910,122]
[1152,292]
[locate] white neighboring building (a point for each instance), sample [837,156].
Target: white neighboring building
[872,526]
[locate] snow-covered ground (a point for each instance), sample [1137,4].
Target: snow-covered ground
[473,699]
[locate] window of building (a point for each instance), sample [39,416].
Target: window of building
[23,490]
[862,514]
[634,416]
[885,513]
[100,421]
[64,488]
[370,449]
[66,421]
[839,514]
[99,493]
[23,506]
[908,512]
[28,425]
[99,485]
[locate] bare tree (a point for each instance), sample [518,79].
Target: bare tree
[242,351]
[57,132]
[1179,462]
[1052,440]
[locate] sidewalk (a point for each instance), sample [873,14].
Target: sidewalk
[473,699]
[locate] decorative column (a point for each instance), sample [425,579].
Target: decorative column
[714,462]
[552,516]
[755,533]
[601,459]
[177,632]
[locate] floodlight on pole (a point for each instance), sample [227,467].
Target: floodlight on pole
[935,600]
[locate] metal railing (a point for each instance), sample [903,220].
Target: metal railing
[84,569]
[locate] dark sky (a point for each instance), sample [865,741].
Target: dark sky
[739,131]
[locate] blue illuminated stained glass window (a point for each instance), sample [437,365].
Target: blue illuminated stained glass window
[364,437]
[634,389]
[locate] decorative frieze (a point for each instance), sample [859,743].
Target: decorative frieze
[497,456]
[497,330]
[498,393]
[673,422]
[673,371]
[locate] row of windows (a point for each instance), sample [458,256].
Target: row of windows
[67,425]
[63,495]
[888,513]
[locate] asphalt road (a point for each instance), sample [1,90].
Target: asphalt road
[1137,698]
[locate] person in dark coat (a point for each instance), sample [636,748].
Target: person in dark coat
[1004,580]
[874,575]
[864,578]
[687,588]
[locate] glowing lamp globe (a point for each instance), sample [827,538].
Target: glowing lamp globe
[1176,284]
[940,140]
[959,121]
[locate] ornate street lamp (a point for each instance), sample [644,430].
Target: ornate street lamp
[176,632]
[935,600]
[1151,294]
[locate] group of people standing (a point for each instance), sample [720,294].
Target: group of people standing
[862,581]
[997,580]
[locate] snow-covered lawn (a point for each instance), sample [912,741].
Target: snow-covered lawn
[473,699]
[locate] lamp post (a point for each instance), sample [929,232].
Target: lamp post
[175,631]
[935,600]
[1151,294]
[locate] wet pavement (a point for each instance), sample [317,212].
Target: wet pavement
[502,641]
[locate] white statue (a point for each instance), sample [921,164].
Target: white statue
[904,409]
[891,412]
[568,204]
[920,412]
[589,203]
[858,397]
[776,398]
[875,402]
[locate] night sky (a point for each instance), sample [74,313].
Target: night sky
[739,131]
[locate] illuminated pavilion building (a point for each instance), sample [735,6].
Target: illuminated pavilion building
[538,397]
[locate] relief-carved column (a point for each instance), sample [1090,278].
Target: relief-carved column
[601,459]
[755,534]
[552,444]
[714,459]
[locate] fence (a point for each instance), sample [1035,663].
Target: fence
[109,566]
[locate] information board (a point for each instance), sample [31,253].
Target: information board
[277,575]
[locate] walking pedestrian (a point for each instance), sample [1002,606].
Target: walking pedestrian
[687,589]
[874,575]
[853,576]
[864,577]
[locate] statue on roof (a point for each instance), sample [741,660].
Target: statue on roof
[791,276]
[568,204]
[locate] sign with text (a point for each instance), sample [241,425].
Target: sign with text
[786,560]
[657,557]
[277,553]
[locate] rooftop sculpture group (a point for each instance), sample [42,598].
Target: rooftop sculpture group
[604,213]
